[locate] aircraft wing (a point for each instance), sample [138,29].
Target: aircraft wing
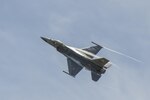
[93,49]
[73,67]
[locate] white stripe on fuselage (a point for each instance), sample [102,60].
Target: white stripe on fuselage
[76,61]
[76,51]
[83,53]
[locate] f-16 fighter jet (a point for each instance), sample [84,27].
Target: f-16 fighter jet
[82,58]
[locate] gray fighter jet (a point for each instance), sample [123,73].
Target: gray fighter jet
[82,58]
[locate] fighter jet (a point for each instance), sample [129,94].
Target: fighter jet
[82,58]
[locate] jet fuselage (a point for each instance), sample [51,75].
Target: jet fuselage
[79,58]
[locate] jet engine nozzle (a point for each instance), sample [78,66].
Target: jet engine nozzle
[107,65]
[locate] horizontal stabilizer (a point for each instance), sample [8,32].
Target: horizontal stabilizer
[95,77]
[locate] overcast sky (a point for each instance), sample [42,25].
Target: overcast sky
[32,70]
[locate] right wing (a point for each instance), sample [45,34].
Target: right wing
[94,49]
[73,67]
[95,77]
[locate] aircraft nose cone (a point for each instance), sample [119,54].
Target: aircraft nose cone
[44,39]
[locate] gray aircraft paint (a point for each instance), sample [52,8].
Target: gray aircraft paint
[81,58]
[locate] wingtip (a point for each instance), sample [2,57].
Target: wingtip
[96,44]
[68,73]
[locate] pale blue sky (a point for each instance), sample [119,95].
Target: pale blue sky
[32,70]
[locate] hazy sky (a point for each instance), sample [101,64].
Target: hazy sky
[32,70]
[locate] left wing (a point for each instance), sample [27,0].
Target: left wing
[94,49]
[73,67]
